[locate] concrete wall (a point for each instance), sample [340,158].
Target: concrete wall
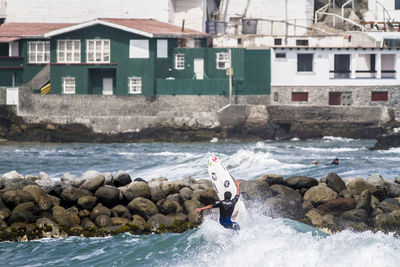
[3,95]
[193,12]
[284,71]
[111,114]
[319,96]
[375,11]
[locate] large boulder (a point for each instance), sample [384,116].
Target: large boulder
[143,207]
[319,194]
[166,206]
[169,188]
[337,206]
[271,178]
[376,180]
[87,224]
[15,184]
[4,210]
[139,222]
[359,185]
[68,178]
[299,182]
[285,192]
[386,222]
[364,201]
[107,194]
[11,175]
[180,217]
[42,200]
[175,197]
[121,178]
[314,217]
[255,190]
[186,193]
[87,202]
[72,194]
[103,221]
[91,184]
[158,220]
[389,205]
[121,211]
[109,179]
[208,196]
[280,206]
[64,217]
[194,217]
[13,198]
[334,182]
[24,212]
[136,189]
[356,215]
[120,221]
[392,189]
[156,192]
[191,205]
[99,210]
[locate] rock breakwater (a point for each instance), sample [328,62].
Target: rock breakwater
[102,204]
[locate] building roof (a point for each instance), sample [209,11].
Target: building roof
[145,27]
[28,30]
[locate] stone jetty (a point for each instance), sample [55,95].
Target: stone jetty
[104,204]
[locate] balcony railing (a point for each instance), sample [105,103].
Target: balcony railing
[366,74]
[339,74]
[388,74]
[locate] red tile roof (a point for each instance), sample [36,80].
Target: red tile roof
[154,27]
[14,29]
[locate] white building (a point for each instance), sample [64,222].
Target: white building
[383,11]
[335,76]
[66,11]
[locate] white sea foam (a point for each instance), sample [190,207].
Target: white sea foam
[89,255]
[340,139]
[341,149]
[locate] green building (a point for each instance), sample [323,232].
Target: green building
[128,57]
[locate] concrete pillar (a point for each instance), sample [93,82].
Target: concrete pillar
[353,65]
[378,65]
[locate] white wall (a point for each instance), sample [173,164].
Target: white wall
[193,12]
[375,11]
[79,10]
[3,5]
[284,71]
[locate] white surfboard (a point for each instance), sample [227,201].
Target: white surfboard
[223,181]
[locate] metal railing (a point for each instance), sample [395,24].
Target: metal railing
[345,4]
[321,10]
[347,20]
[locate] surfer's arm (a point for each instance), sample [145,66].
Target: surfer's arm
[203,208]
[237,182]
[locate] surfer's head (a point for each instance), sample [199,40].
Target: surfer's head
[227,195]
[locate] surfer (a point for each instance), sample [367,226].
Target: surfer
[335,161]
[226,208]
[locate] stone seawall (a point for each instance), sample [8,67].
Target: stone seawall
[103,204]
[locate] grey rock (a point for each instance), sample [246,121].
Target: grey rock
[3,224]
[64,217]
[158,220]
[166,206]
[175,197]
[4,210]
[397,179]
[44,177]
[169,188]
[307,206]
[139,222]
[91,184]
[42,222]
[136,189]
[73,210]
[11,175]
[194,217]
[120,221]
[189,180]
[319,194]
[299,182]
[334,182]
[99,210]
[143,207]
[15,184]
[209,196]
[255,190]
[180,217]
[206,183]
[271,179]
[386,222]
[279,206]
[285,192]
[84,213]
[107,194]
[108,178]
[42,200]
[392,189]
[359,185]
[68,178]
[87,202]
[24,212]
[389,205]
[72,194]
[121,211]
[14,197]
[376,180]
[356,215]
[347,193]
[186,193]
[121,178]
[103,221]
[87,224]
[364,201]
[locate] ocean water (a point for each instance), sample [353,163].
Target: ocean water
[262,241]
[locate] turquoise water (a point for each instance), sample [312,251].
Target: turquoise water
[263,241]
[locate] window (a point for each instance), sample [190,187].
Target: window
[222,60]
[280,55]
[278,41]
[305,62]
[180,61]
[300,96]
[135,85]
[39,52]
[98,51]
[396,4]
[379,96]
[342,66]
[68,85]
[139,49]
[302,42]
[162,48]
[69,51]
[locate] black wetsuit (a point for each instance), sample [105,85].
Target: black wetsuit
[226,208]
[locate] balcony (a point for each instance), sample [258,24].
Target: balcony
[7,62]
[339,74]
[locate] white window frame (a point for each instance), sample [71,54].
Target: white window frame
[135,85]
[104,53]
[75,53]
[34,51]
[65,86]
[222,58]
[180,61]
[162,48]
[139,48]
